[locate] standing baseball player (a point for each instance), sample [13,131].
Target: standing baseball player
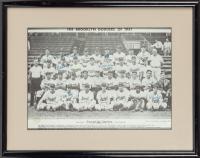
[155,100]
[167,47]
[85,80]
[118,54]
[35,75]
[46,58]
[137,98]
[148,81]
[134,81]
[143,61]
[159,46]
[156,62]
[49,69]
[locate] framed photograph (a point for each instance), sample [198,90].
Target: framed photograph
[93,78]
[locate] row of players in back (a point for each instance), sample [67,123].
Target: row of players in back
[97,64]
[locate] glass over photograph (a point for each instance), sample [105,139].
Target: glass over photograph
[99,78]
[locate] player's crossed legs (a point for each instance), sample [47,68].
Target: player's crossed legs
[132,105]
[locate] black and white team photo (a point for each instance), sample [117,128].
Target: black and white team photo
[99,78]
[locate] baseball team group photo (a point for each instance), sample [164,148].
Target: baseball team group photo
[115,74]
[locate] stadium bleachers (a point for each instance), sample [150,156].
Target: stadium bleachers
[110,41]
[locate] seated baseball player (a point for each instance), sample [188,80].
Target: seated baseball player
[68,99]
[121,99]
[155,100]
[45,86]
[50,100]
[86,99]
[103,98]
[137,99]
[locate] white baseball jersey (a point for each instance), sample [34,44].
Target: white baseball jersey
[97,58]
[96,81]
[136,95]
[86,97]
[61,67]
[50,70]
[110,81]
[143,57]
[60,83]
[92,70]
[77,68]
[83,82]
[68,96]
[122,95]
[129,58]
[135,67]
[45,84]
[148,82]
[144,69]
[155,98]
[85,59]
[120,68]
[103,97]
[125,81]
[107,66]
[155,61]
[168,45]
[72,82]
[68,58]
[118,55]
[45,58]
[51,98]
[158,44]
[135,82]
[36,71]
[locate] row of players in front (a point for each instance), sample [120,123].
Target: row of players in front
[121,99]
[113,86]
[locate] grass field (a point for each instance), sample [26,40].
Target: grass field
[123,119]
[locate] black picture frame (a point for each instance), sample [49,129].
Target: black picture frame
[4,4]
